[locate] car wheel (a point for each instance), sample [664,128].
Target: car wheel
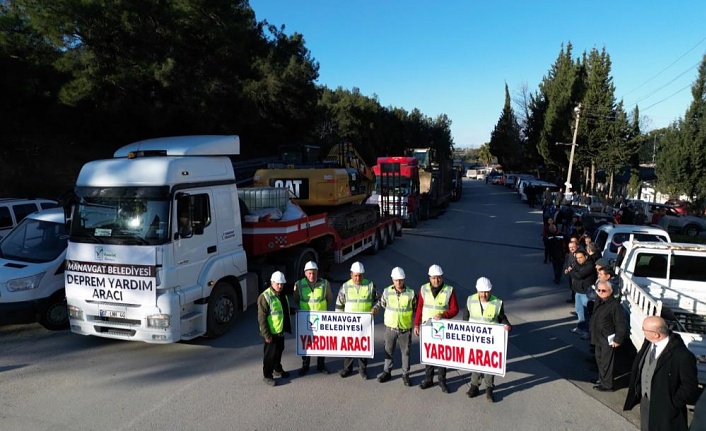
[55,316]
[691,230]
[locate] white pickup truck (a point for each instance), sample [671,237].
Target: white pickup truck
[668,280]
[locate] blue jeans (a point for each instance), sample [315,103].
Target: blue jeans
[580,303]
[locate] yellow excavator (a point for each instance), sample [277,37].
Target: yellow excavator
[342,177]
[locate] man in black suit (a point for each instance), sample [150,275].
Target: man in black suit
[663,379]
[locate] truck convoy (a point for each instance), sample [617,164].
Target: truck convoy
[667,280]
[165,247]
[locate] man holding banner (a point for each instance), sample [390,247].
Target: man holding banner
[483,307]
[357,295]
[436,300]
[312,293]
[399,303]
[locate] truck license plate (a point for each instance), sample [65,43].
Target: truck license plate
[112,313]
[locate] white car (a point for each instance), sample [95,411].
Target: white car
[609,237]
[32,259]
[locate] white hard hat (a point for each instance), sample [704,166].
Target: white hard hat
[435,270]
[397,273]
[278,277]
[310,265]
[357,268]
[483,285]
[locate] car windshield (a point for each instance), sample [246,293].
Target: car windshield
[35,241]
[121,215]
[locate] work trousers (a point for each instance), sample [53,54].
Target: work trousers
[429,373]
[306,361]
[488,379]
[605,357]
[272,358]
[392,337]
[362,364]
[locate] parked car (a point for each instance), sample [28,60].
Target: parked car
[675,222]
[610,237]
[13,210]
[591,221]
[32,258]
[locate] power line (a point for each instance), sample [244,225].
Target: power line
[660,72]
[673,94]
[673,79]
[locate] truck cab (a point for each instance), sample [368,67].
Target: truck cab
[156,251]
[397,179]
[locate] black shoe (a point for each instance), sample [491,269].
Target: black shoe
[444,388]
[489,395]
[323,370]
[601,388]
[363,374]
[405,380]
[303,370]
[281,373]
[384,377]
[473,391]
[344,373]
[269,381]
[426,384]
[596,382]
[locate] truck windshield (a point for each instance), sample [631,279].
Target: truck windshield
[35,241]
[121,215]
[392,185]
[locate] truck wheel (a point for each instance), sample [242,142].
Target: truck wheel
[691,230]
[384,238]
[424,211]
[391,232]
[222,310]
[376,244]
[55,316]
[414,219]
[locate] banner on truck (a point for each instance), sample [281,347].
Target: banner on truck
[471,346]
[337,334]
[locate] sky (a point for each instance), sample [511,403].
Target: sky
[454,57]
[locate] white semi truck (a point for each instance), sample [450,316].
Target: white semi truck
[161,248]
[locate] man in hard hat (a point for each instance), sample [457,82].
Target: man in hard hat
[484,307]
[399,303]
[436,300]
[312,293]
[273,319]
[357,295]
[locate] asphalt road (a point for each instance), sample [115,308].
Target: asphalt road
[62,381]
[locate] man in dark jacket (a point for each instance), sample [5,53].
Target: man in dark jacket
[663,379]
[607,333]
[556,251]
[583,275]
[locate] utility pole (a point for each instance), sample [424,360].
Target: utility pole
[577,110]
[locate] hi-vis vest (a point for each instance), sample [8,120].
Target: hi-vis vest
[312,298]
[276,317]
[398,308]
[490,311]
[435,306]
[358,298]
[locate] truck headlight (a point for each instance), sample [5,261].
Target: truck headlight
[75,312]
[158,320]
[24,283]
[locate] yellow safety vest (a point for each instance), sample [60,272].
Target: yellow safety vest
[312,298]
[488,314]
[276,317]
[435,306]
[398,308]
[359,298]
